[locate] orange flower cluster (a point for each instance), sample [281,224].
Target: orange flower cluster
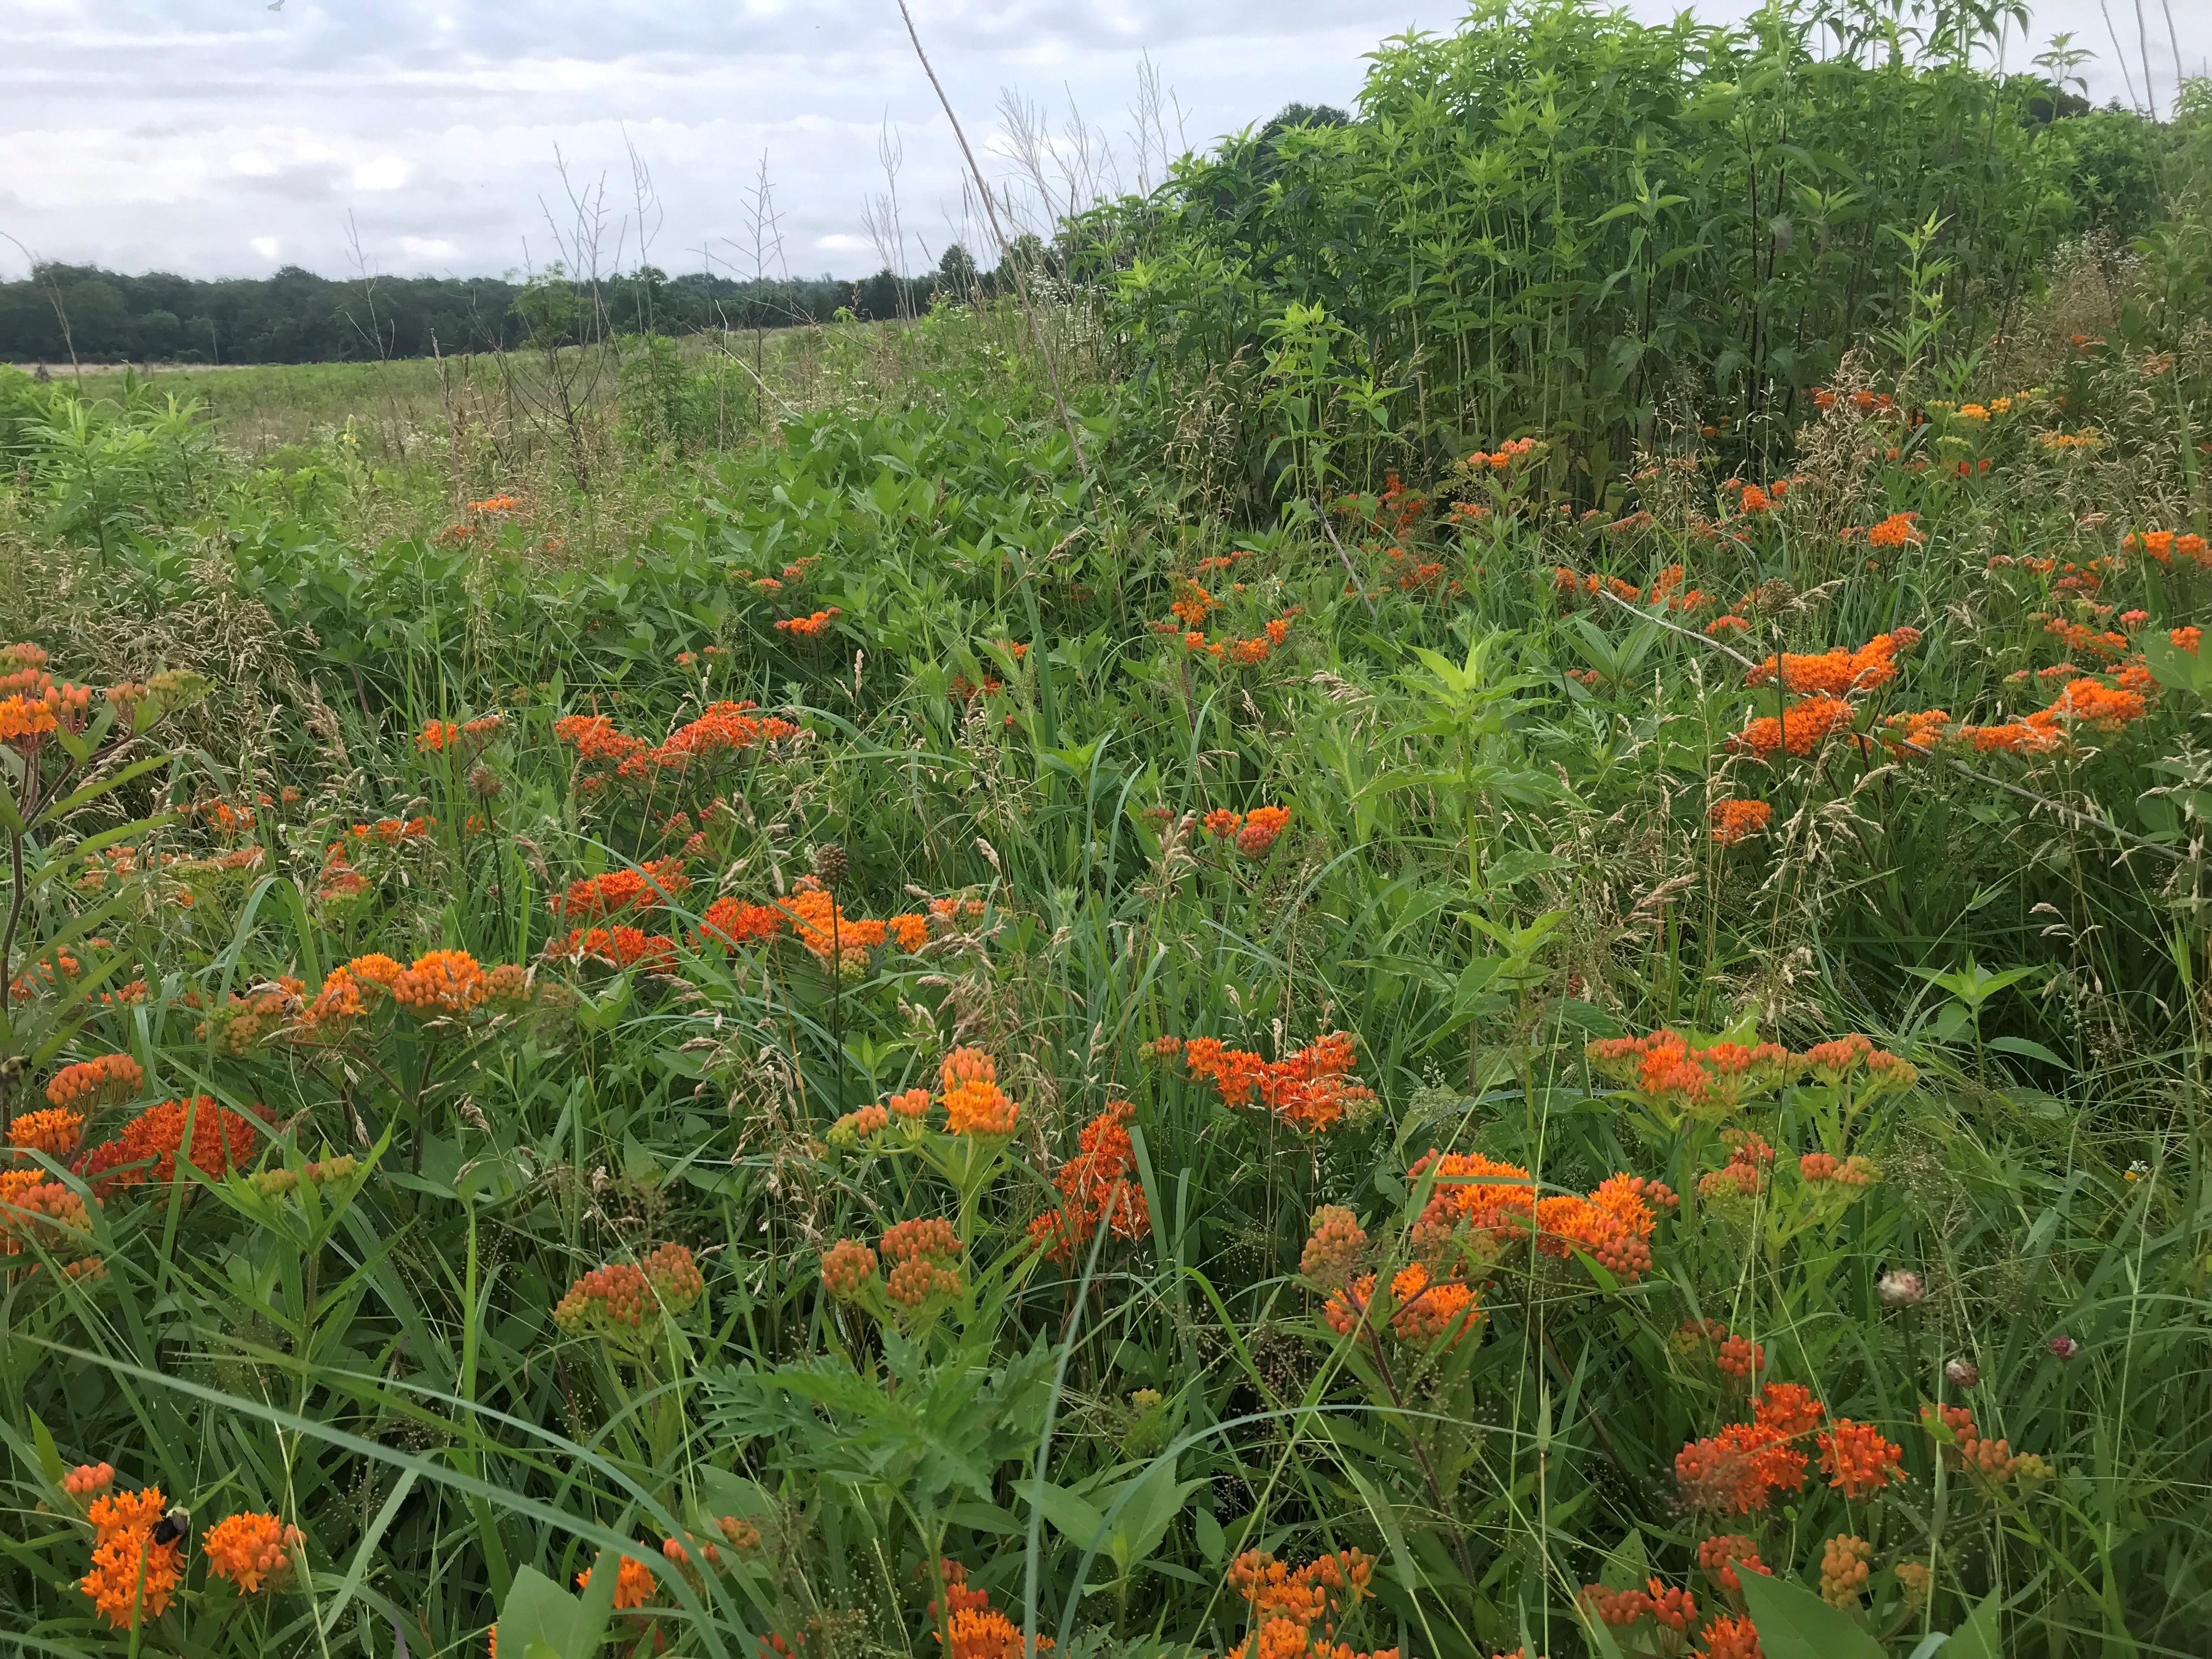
[810,627]
[1711,1081]
[647,887]
[92,1083]
[1987,1463]
[1479,1204]
[1735,820]
[925,1258]
[132,1577]
[1667,589]
[848,1267]
[1311,1089]
[1297,1610]
[1731,1637]
[1840,673]
[1254,832]
[627,1300]
[1244,653]
[1739,1470]
[1673,1611]
[820,923]
[1802,727]
[252,1551]
[723,729]
[974,1103]
[442,982]
[1732,1189]
[732,922]
[1898,529]
[625,947]
[2079,637]
[1095,1185]
[438,736]
[1725,1556]
[2083,702]
[502,502]
[35,1211]
[633,1584]
[151,1143]
[2166,546]
[54,1132]
[976,1629]
[388,832]
[1858,1460]
[31,704]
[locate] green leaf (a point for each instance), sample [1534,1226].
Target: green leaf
[1978,1638]
[1212,1542]
[50,1456]
[541,1621]
[1796,1623]
[2013,1045]
[1073,1518]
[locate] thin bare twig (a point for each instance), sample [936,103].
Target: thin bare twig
[1006,250]
[1329,530]
[2072,813]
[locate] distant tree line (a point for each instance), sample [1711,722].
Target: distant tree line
[93,315]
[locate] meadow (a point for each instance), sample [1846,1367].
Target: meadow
[1455,908]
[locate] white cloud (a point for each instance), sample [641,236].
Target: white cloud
[267,247]
[382,173]
[429,248]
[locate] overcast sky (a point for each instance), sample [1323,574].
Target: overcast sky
[224,138]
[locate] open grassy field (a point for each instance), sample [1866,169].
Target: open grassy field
[1462,911]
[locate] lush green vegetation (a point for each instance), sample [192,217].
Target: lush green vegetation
[1400,980]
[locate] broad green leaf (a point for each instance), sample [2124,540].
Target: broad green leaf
[1796,1623]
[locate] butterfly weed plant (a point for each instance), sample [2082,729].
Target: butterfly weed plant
[1522,975]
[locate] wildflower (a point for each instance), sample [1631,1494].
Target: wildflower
[132,1577]
[1961,1373]
[251,1550]
[1898,529]
[54,1132]
[442,982]
[1724,1555]
[1333,1246]
[924,1254]
[848,1267]
[1844,1570]
[808,627]
[1619,1608]
[1837,673]
[633,1584]
[626,1300]
[1857,1458]
[738,1533]
[1803,726]
[1738,1357]
[730,922]
[1730,1638]
[1914,1578]
[1261,826]
[1221,823]
[1900,1288]
[91,1084]
[151,1143]
[974,1103]
[88,1481]
[1735,820]
[1094,1184]
[2064,1347]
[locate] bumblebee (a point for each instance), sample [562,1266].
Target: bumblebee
[175,1527]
